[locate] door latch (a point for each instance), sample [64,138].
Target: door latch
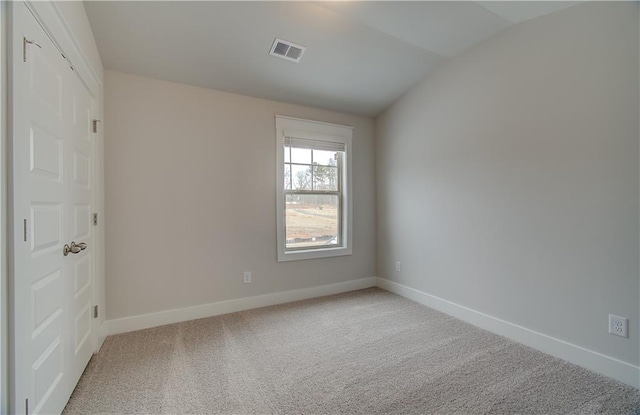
[74,248]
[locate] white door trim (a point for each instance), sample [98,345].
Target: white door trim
[4,372]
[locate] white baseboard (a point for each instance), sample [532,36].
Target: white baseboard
[589,359]
[145,321]
[597,362]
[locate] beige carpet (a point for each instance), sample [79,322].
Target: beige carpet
[367,351]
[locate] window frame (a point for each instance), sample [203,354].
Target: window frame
[314,130]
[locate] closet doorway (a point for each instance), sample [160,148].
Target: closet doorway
[53,335]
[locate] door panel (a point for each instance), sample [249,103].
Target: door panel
[46,299]
[40,197]
[82,298]
[80,200]
[81,221]
[52,160]
[46,227]
[81,170]
[48,375]
[82,274]
[46,81]
[46,154]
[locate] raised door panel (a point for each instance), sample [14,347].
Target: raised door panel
[46,154]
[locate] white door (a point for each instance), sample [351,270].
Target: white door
[80,156]
[51,163]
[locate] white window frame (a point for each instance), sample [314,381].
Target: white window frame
[314,130]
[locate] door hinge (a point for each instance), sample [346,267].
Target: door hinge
[95,311]
[95,125]
[95,219]
[24,229]
[26,406]
[24,47]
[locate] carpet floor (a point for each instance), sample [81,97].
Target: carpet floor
[367,351]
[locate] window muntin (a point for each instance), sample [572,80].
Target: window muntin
[314,208]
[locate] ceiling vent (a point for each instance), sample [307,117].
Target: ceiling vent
[287,50]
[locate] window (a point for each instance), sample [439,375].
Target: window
[314,189]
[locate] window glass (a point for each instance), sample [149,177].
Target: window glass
[301,177]
[301,155]
[287,176]
[287,154]
[325,178]
[311,221]
[324,158]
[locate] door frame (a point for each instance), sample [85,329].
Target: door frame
[4,298]
[52,20]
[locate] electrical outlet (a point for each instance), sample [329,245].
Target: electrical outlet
[398,266]
[247,277]
[618,325]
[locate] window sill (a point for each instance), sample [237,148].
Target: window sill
[312,254]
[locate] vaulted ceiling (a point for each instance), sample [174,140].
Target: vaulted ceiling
[360,57]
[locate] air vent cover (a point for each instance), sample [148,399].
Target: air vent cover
[287,50]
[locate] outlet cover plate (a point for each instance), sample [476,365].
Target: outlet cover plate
[247,277]
[618,325]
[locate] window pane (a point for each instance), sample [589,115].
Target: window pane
[325,178]
[300,155]
[312,221]
[287,154]
[301,177]
[287,176]
[324,158]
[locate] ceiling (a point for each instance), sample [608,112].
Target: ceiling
[360,57]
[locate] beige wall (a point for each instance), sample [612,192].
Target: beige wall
[508,179]
[190,197]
